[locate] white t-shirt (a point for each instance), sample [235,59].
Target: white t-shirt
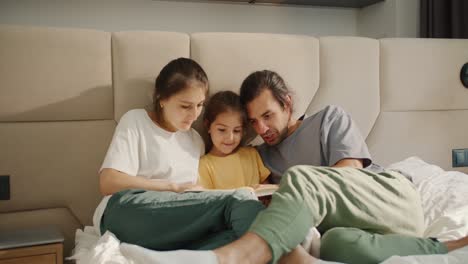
[140,147]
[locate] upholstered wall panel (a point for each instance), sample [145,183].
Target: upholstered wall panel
[54,164]
[229,57]
[54,74]
[349,77]
[430,135]
[423,74]
[137,58]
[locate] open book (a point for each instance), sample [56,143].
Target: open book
[259,190]
[264,192]
[265,189]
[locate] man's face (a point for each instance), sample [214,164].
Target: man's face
[268,118]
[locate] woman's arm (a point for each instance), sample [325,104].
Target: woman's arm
[112,181]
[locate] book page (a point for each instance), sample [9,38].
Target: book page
[265,189]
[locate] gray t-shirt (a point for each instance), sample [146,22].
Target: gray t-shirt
[321,140]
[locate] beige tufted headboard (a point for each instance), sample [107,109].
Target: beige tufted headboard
[63,90]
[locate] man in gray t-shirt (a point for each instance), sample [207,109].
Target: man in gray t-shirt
[327,138]
[365,217]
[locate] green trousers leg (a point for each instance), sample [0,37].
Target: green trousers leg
[355,246]
[169,221]
[326,197]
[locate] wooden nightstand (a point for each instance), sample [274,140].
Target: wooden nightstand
[42,245]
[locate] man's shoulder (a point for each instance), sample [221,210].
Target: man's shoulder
[327,110]
[324,116]
[262,148]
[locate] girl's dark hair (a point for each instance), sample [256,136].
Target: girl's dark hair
[176,76]
[219,103]
[222,102]
[258,81]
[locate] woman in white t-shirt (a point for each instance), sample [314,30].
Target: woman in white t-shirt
[153,160]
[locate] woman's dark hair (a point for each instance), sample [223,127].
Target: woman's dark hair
[176,76]
[258,81]
[222,102]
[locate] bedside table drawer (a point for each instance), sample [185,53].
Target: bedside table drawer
[40,259]
[44,254]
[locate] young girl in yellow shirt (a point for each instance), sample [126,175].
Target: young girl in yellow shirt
[227,165]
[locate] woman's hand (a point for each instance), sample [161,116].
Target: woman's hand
[186,186]
[112,181]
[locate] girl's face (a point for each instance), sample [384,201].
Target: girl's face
[226,133]
[182,109]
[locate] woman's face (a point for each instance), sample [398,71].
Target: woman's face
[182,109]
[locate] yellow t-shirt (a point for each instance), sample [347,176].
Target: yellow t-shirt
[242,168]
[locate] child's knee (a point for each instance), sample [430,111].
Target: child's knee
[246,203]
[244,194]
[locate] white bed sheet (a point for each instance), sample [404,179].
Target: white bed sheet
[444,197]
[107,249]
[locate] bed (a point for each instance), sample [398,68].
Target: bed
[63,90]
[445,201]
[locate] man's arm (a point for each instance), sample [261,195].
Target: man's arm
[341,139]
[353,163]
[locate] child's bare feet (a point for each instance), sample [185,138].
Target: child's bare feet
[456,244]
[297,256]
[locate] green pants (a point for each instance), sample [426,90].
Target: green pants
[169,221]
[380,215]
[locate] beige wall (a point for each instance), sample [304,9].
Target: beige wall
[391,18]
[117,15]
[407,18]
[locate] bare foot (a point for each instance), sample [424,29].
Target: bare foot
[456,244]
[249,249]
[297,256]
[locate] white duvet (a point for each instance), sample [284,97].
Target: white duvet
[444,197]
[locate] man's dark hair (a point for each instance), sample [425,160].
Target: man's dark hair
[258,81]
